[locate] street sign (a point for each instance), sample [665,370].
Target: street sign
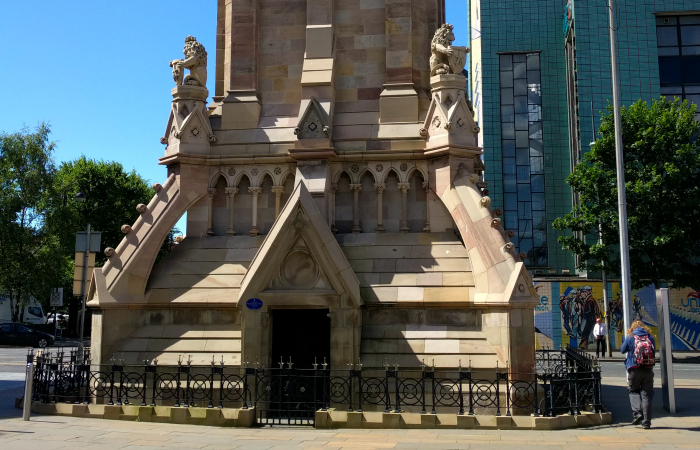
[81,241]
[254,303]
[78,272]
[56,297]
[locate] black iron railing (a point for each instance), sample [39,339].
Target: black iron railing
[564,382]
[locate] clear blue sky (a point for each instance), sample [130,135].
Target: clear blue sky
[97,72]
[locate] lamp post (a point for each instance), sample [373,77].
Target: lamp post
[621,197]
[80,198]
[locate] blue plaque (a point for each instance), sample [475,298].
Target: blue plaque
[254,303]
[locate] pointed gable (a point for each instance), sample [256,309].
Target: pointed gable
[300,253]
[313,123]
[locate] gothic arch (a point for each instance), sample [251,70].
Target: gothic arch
[261,176]
[388,171]
[362,173]
[215,179]
[284,177]
[413,169]
[239,178]
[339,174]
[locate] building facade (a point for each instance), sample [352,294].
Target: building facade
[335,209]
[540,77]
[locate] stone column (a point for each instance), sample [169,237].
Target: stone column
[278,190]
[232,191]
[237,89]
[398,101]
[426,186]
[255,191]
[404,206]
[379,187]
[210,217]
[331,208]
[356,188]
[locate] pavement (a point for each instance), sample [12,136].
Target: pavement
[681,430]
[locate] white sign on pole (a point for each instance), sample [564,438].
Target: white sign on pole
[57,297]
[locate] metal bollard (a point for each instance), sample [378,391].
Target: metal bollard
[28,384]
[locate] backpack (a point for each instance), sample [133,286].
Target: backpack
[643,351]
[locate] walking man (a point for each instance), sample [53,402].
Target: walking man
[599,332]
[639,346]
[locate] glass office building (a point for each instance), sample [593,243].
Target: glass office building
[540,76]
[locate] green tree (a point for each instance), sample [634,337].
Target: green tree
[28,253]
[111,196]
[662,182]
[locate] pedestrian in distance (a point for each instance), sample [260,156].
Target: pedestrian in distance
[639,346]
[599,333]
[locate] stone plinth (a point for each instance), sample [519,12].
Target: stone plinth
[188,130]
[449,123]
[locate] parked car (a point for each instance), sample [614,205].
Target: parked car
[60,318]
[18,334]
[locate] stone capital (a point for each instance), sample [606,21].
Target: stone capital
[356,187]
[426,186]
[379,187]
[404,186]
[255,190]
[278,190]
[231,191]
[334,188]
[211,192]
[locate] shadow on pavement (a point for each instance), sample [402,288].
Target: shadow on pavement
[7,399]
[616,400]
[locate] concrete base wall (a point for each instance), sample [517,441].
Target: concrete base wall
[381,420]
[331,419]
[224,417]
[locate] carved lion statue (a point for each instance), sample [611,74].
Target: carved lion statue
[196,62]
[441,51]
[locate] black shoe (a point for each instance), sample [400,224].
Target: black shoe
[646,426]
[637,420]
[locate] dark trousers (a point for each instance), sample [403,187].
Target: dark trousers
[600,346]
[640,384]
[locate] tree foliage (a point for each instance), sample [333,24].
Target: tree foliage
[39,215]
[28,254]
[111,196]
[662,182]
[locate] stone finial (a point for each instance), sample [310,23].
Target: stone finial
[109,251]
[445,58]
[157,187]
[510,234]
[497,212]
[196,62]
[141,208]
[522,256]
[508,247]
[126,229]
[485,201]
[473,178]
[496,223]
